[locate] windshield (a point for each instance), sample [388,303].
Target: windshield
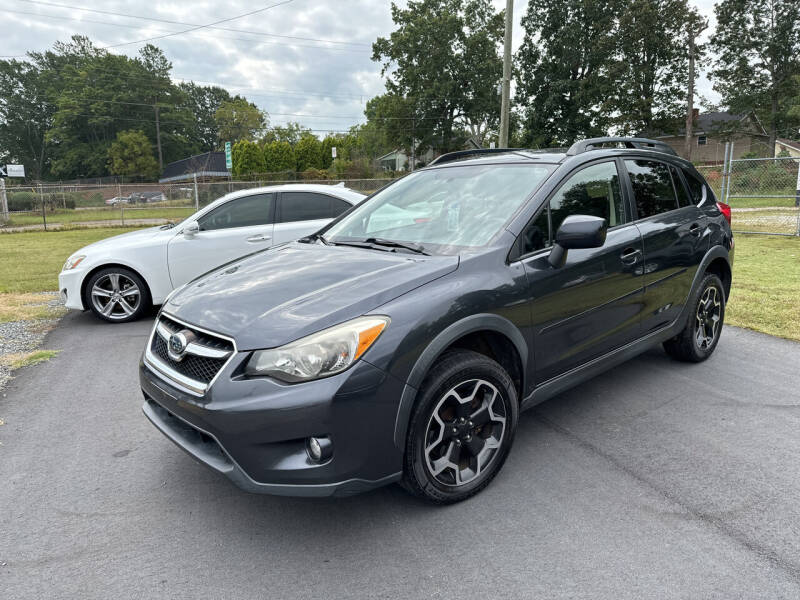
[442,210]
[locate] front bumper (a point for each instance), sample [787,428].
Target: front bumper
[254,430]
[69,285]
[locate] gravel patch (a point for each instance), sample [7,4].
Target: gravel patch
[25,336]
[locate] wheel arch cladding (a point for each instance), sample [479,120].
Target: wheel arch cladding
[720,267]
[90,274]
[488,334]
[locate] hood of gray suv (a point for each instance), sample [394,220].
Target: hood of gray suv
[274,297]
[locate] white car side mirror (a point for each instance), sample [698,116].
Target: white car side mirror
[191,229]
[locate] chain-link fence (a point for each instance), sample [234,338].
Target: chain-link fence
[764,193]
[51,206]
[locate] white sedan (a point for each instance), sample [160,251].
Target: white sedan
[120,277]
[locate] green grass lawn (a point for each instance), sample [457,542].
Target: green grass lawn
[766,285]
[786,201]
[100,214]
[32,260]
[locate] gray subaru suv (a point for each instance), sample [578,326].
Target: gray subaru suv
[401,342]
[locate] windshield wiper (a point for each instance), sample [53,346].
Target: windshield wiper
[382,245]
[416,248]
[314,237]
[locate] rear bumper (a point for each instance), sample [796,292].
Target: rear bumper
[253,431]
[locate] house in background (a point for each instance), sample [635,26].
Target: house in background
[398,160]
[790,147]
[710,132]
[203,166]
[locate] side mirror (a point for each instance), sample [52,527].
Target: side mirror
[576,232]
[191,229]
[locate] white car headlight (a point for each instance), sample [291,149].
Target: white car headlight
[73,261]
[321,354]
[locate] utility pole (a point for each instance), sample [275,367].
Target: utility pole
[158,140]
[506,92]
[696,26]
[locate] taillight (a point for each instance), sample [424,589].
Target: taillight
[725,209]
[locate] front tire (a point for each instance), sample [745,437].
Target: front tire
[698,339]
[116,295]
[461,428]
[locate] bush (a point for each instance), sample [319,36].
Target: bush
[279,156]
[22,201]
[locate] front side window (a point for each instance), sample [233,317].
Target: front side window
[594,191]
[241,212]
[652,187]
[443,209]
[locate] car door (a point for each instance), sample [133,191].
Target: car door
[674,234]
[302,213]
[592,304]
[240,226]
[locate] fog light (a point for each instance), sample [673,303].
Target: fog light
[319,449]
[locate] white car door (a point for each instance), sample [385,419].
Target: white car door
[238,227]
[302,213]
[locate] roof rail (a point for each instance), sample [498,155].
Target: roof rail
[639,143]
[451,156]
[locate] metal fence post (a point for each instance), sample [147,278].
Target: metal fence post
[44,214]
[724,173]
[196,197]
[730,176]
[3,200]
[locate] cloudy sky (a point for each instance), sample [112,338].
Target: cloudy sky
[301,60]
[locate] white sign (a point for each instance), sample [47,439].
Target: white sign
[333,151]
[15,170]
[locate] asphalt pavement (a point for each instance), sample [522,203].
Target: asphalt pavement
[654,480]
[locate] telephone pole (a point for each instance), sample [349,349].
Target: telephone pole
[696,27]
[506,91]
[158,139]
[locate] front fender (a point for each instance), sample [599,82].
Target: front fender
[465,326]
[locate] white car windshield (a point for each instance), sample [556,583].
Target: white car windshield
[442,210]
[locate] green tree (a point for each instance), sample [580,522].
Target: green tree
[328,143]
[308,152]
[203,102]
[238,119]
[443,60]
[757,43]
[562,70]
[291,132]
[279,156]
[25,116]
[131,155]
[649,75]
[247,158]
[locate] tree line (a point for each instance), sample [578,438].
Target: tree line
[584,68]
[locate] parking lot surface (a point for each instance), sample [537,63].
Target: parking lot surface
[655,480]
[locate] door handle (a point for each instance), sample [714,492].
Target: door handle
[259,238]
[695,230]
[630,255]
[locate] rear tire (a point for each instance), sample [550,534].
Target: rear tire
[461,428]
[698,339]
[116,295]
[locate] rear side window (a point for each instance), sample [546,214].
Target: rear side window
[338,207]
[696,188]
[241,212]
[683,197]
[652,187]
[305,206]
[594,191]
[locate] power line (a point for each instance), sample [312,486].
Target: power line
[160,37]
[224,37]
[130,16]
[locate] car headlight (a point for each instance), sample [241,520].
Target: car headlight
[321,354]
[73,261]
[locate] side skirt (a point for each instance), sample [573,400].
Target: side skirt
[563,382]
